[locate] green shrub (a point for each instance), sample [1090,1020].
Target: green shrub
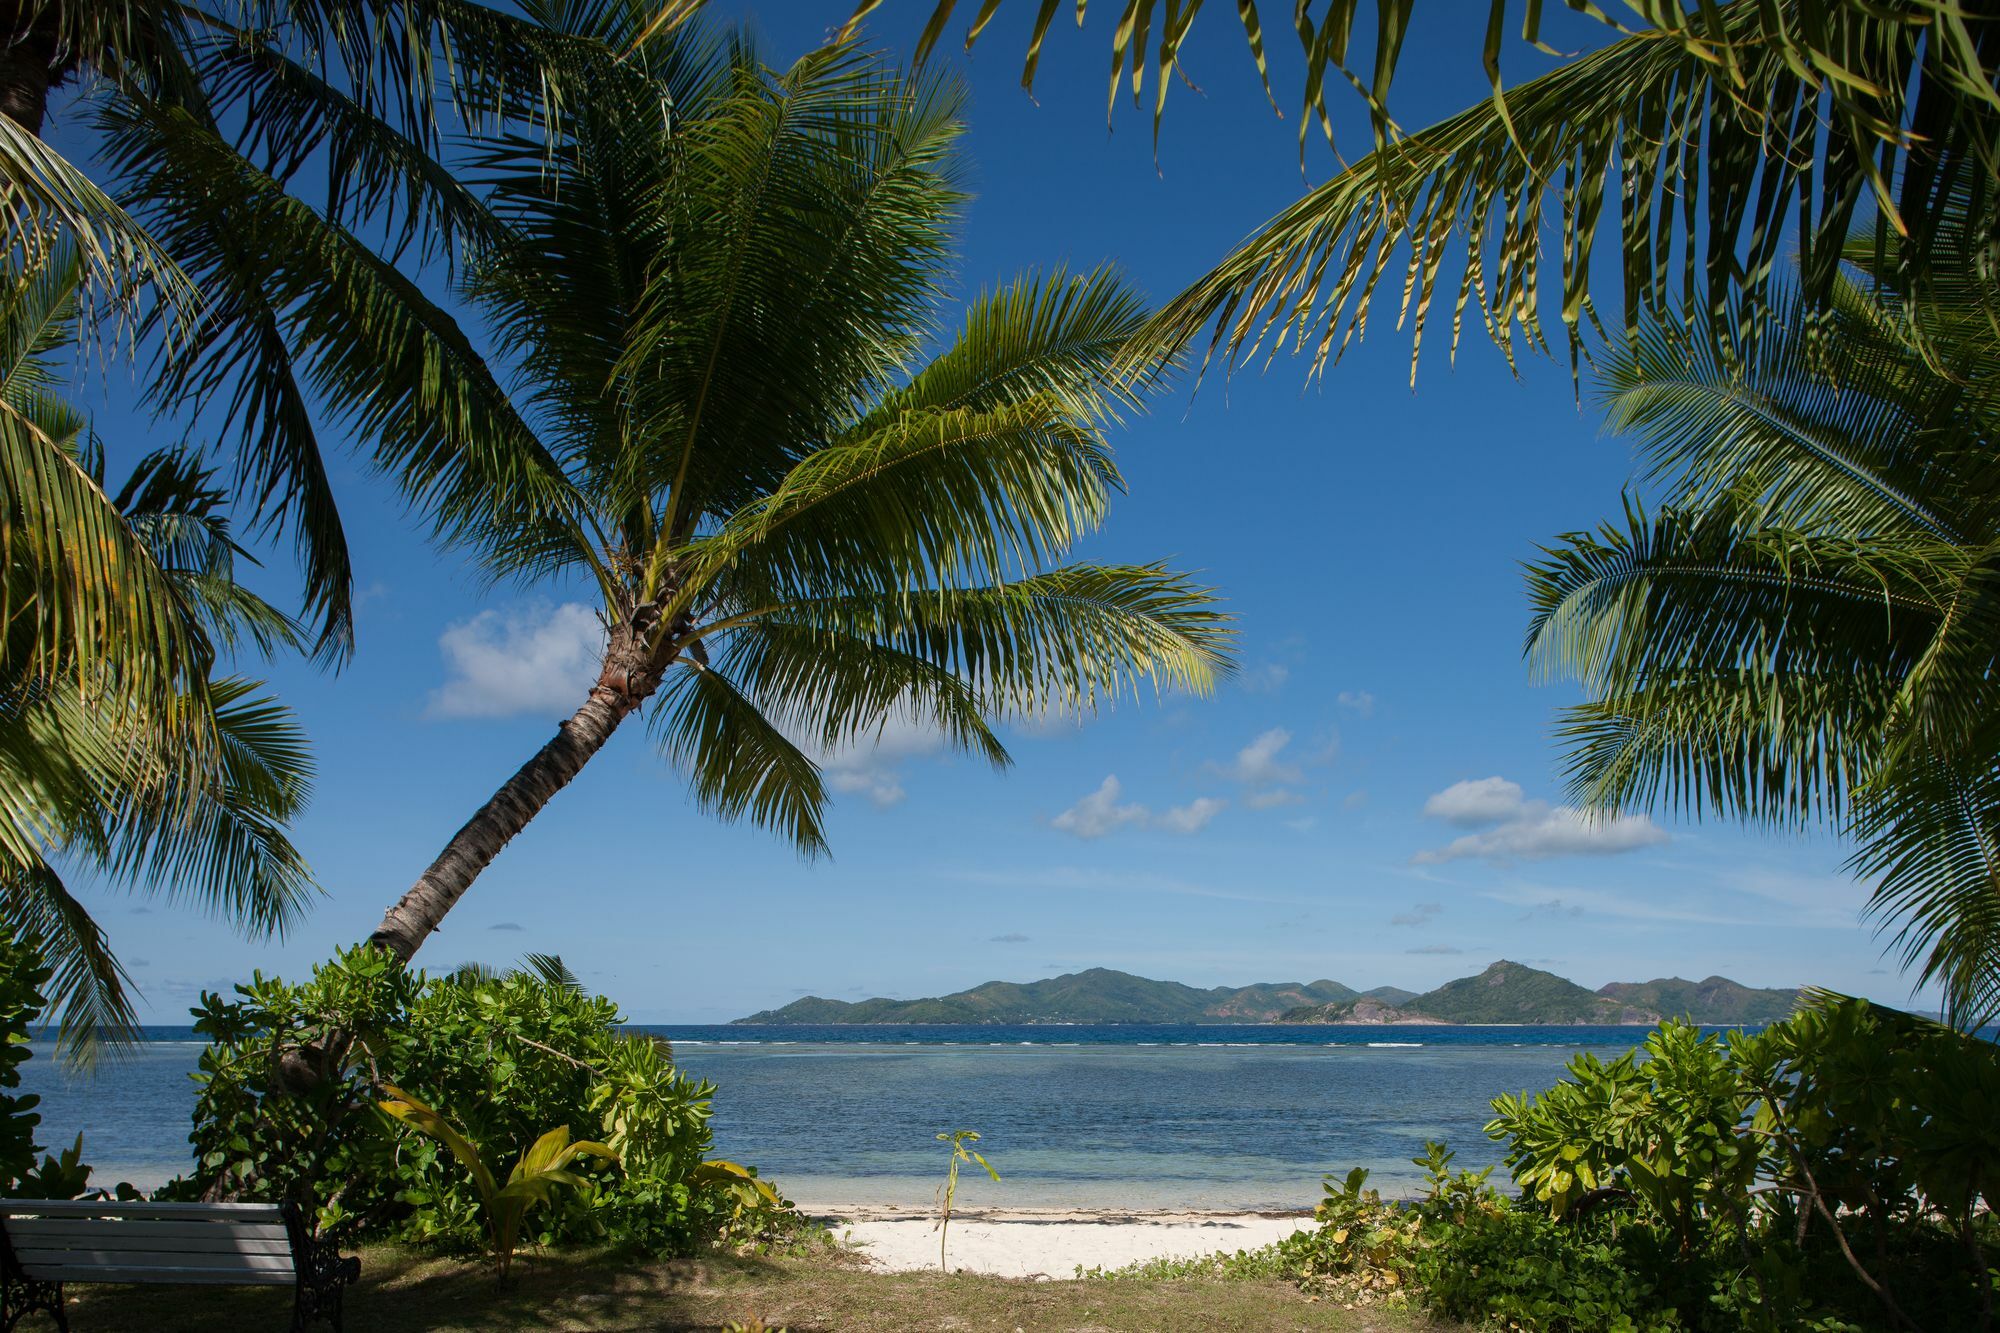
[22,975]
[1520,1268]
[292,1075]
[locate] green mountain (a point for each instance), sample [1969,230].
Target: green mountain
[1099,995]
[1504,993]
[1714,1000]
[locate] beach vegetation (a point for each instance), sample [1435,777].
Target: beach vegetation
[292,1079]
[961,1153]
[1833,1172]
[540,1172]
[804,511]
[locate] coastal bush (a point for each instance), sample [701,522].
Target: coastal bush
[1836,1169]
[1830,1174]
[293,1073]
[22,975]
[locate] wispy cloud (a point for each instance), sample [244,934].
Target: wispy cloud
[1272,799]
[1103,811]
[534,659]
[1264,678]
[1359,702]
[1435,948]
[1418,915]
[1076,879]
[1009,938]
[1522,830]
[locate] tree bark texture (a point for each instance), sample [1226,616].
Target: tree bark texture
[32,62]
[621,687]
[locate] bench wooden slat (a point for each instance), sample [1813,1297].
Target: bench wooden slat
[218,1214]
[138,1258]
[176,1276]
[30,1251]
[48,1230]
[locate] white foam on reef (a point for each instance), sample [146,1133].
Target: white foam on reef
[1393,1045]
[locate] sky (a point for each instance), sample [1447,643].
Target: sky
[1374,797]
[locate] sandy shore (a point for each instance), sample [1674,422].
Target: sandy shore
[1048,1243]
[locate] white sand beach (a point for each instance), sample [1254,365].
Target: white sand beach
[1048,1243]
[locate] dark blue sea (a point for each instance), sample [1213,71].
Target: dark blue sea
[1119,1115]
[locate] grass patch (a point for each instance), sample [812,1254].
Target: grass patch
[407,1290]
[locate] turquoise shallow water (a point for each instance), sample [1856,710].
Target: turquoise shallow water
[1116,1116]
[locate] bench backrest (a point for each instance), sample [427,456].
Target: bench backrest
[240,1244]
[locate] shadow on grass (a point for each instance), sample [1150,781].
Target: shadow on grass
[404,1291]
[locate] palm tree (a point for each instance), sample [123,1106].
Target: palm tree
[261,168]
[1713,129]
[798,528]
[1809,628]
[181,790]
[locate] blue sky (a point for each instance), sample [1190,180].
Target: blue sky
[1375,798]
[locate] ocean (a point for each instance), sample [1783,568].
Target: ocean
[1086,1116]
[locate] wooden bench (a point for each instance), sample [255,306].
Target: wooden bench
[44,1244]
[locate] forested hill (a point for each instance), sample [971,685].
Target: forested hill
[1099,995]
[1514,993]
[1504,993]
[1714,1000]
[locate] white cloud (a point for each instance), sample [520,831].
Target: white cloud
[1258,765]
[1542,833]
[527,660]
[1272,799]
[1472,803]
[1191,818]
[1303,824]
[1268,678]
[873,768]
[1100,812]
[1524,830]
[1359,702]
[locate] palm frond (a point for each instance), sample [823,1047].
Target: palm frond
[738,761]
[1056,337]
[1061,641]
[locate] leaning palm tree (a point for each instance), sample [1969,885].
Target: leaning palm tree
[1809,629]
[799,522]
[1713,129]
[182,789]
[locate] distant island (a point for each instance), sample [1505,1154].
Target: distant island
[1504,993]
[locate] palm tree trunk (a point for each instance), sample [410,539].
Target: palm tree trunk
[30,63]
[410,922]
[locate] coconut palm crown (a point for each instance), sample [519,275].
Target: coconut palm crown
[1807,629]
[799,522]
[181,790]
